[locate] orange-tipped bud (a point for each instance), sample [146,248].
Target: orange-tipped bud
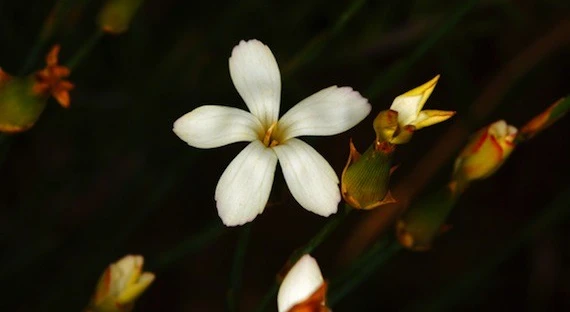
[486,152]
[545,119]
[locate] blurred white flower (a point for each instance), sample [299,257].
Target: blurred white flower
[303,288]
[244,187]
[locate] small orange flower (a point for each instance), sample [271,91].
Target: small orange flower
[50,80]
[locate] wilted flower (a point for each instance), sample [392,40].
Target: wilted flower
[116,15]
[365,178]
[406,115]
[23,99]
[243,189]
[486,152]
[303,288]
[120,285]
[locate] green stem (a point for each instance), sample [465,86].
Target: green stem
[399,69]
[50,25]
[85,49]
[313,243]
[237,268]
[315,47]
[205,236]
[363,268]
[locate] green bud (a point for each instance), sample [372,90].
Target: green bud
[365,177]
[116,15]
[20,106]
[425,220]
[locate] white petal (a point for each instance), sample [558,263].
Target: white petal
[214,126]
[311,180]
[243,189]
[408,108]
[330,111]
[302,281]
[255,74]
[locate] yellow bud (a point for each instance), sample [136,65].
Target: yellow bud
[485,152]
[120,285]
[116,15]
[365,178]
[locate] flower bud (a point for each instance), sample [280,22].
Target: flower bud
[485,152]
[365,178]
[120,285]
[23,99]
[545,119]
[20,107]
[406,115]
[424,220]
[116,15]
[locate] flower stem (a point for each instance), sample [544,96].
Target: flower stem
[362,268]
[399,69]
[313,243]
[237,268]
[205,236]
[316,45]
[85,49]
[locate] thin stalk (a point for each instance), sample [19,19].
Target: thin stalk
[188,246]
[85,49]
[237,268]
[363,268]
[399,69]
[316,45]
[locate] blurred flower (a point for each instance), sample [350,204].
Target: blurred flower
[303,288]
[23,99]
[485,152]
[425,219]
[545,119]
[120,285]
[365,178]
[116,15]
[243,189]
[406,115]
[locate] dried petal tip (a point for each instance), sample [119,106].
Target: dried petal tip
[365,178]
[120,285]
[545,119]
[50,80]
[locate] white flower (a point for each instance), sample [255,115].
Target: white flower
[300,283]
[244,187]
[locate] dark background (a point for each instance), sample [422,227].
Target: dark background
[108,177]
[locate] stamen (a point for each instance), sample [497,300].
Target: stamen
[267,140]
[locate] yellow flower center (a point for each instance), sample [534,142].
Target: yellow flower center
[269,139]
